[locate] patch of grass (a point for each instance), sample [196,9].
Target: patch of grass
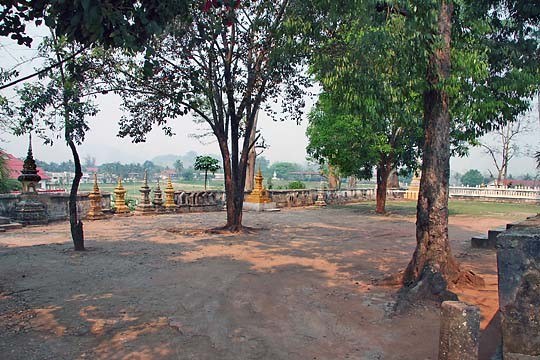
[456,208]
[492,209]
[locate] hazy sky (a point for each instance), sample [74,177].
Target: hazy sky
[287,140]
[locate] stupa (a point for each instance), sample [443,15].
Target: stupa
[95,212]
[259,200]
[120,199]
[144,207]
[414,188]
[30,211]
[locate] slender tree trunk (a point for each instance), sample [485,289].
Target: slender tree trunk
[234,189]
[393,179]
[76,225]
[205,177]
[352,182]
[333,180]
[252,158]
[433,267]
[383,173]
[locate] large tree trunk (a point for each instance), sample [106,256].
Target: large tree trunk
[433,268]
[383,172]
[76,225]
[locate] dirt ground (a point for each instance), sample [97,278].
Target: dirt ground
[157,287]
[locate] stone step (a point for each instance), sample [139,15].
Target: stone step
[481,241]
[511,225]
[10,226]
[492,235]
[4,220]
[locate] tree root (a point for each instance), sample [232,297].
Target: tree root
[468,278]
[232,230]
[390,280]
[433,287]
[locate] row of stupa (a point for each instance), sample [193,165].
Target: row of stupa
[145,206]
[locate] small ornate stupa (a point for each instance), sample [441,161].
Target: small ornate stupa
[30,211]
[414,188]
[259,200]
[144,207]
[320,195]
[158,199]
[29,175]
[95,212]
[169,196]
[120,200]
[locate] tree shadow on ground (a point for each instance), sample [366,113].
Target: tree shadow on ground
[300,289]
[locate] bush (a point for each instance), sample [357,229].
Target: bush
[9,185]
[296,185]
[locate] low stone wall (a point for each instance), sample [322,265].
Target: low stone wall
[56,204]
[518,262]
[199,201]
[204,200]
[306,197]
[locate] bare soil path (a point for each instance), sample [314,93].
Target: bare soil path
[158,287]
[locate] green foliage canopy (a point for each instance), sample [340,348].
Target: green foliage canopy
[369,113]
[111,23]
[206,163]
[472,177]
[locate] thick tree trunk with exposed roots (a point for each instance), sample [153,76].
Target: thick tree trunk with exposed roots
[75,223]
[433,269]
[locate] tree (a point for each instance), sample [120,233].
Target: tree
[505,146]
[433,269]
[187,174]
[537,156]
[105,23]
[6,184]
[472,94]
[62,104]
[263,164]
[222,65]
[206,163]
[89,161]
[472,177]
[178,166]
[369,115]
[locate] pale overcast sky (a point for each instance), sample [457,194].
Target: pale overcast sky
[287,140]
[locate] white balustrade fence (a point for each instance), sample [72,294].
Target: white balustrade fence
[513,193]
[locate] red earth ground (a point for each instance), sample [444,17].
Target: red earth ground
[160,287]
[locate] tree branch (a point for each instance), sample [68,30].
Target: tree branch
[44,70]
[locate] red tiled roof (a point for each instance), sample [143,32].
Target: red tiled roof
[15,166]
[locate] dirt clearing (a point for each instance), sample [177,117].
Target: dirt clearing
[157,287]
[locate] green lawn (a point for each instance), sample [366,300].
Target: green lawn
[457,208]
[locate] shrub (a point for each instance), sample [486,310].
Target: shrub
[296,185]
